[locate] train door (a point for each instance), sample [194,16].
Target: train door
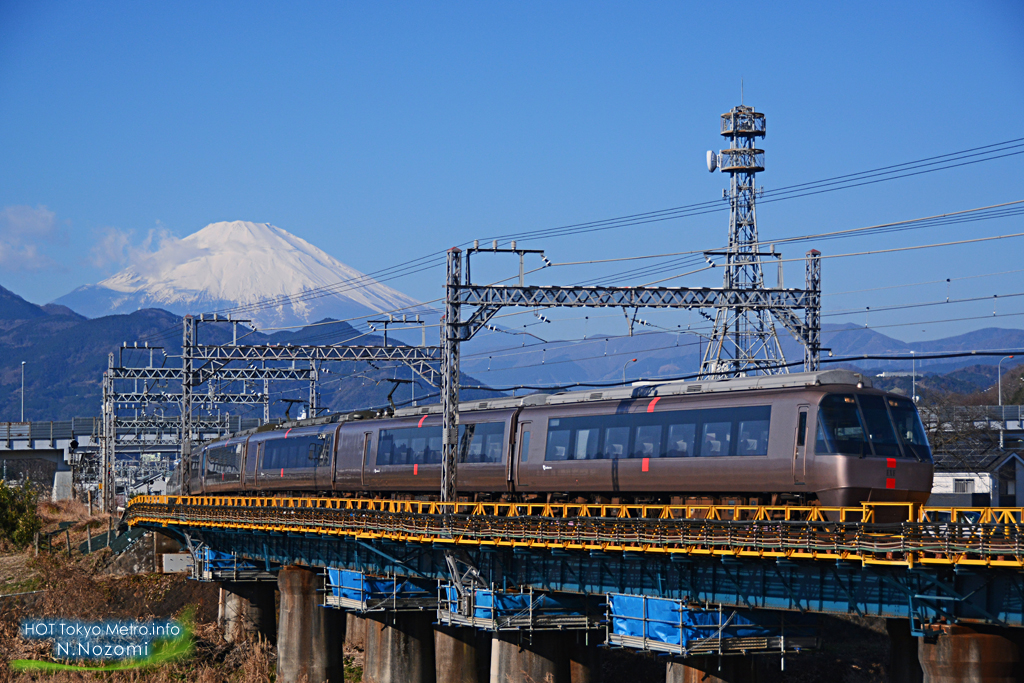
[520,453]
[800,447]
[195,472]
[323,464]
[367,468]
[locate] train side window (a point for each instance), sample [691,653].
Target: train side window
[722,432]
[647,443]
[524,447]
[223,461]
[558,443]
[821,444]
[753,437]
[715,439]
[269,461]
[481,442]
[616,442]
[386,448]
[680,440]
[587,442]
[801,430]
[422,445]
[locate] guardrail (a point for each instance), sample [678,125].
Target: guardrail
[992,537]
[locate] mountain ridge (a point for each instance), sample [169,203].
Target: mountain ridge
[259,270]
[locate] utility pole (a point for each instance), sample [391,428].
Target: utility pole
[188,341]
[999,388]
[451,333]
[22,391]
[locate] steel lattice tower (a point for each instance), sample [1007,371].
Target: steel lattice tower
[743,341]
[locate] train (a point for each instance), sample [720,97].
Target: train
[826,438]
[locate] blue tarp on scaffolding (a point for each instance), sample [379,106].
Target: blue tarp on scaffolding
[224,562]
[361,588]
[489,604]
[672,622]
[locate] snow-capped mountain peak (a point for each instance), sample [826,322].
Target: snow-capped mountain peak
[240,263]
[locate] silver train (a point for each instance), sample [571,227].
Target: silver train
[823,436]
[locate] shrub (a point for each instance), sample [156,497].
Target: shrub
[19,518]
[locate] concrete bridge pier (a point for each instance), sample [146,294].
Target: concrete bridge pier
[963,655]
[248,609]
[461,654]
[712,669]
[903,664]
[355,631]
[399,648]
[309,638]
[539,657]
[585,657]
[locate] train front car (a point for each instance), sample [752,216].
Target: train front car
[744,441]
[868,446]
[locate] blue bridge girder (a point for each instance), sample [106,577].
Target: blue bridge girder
[923,594]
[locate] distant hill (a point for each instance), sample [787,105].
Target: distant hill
[502,359]
[13,307]
[66,355]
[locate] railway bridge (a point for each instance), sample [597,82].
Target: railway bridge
[540,589]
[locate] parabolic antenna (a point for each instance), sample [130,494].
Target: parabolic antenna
[712,161]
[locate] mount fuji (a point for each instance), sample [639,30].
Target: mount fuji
[274,277]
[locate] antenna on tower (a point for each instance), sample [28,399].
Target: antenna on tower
[743,340]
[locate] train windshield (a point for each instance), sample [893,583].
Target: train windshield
[870,424]
[840,428]
[909,428]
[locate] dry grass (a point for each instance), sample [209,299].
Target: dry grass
[214,662]
[76,587]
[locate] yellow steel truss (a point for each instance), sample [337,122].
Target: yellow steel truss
[874,533]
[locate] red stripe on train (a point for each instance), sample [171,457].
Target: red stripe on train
[650,406]
[421,421]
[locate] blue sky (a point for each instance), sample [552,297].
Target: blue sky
[382,132]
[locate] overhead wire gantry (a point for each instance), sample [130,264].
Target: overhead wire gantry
[486,300]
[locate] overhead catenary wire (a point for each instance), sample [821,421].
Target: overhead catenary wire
[787,192]
[357,280]
[413,265]
[679,378]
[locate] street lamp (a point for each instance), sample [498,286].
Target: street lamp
[631,360]
[999,388]
[22,391]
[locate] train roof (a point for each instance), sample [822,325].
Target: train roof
[650,389]
[645,389]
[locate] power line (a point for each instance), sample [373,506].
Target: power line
[848,359]
[803,189]
[419,264]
